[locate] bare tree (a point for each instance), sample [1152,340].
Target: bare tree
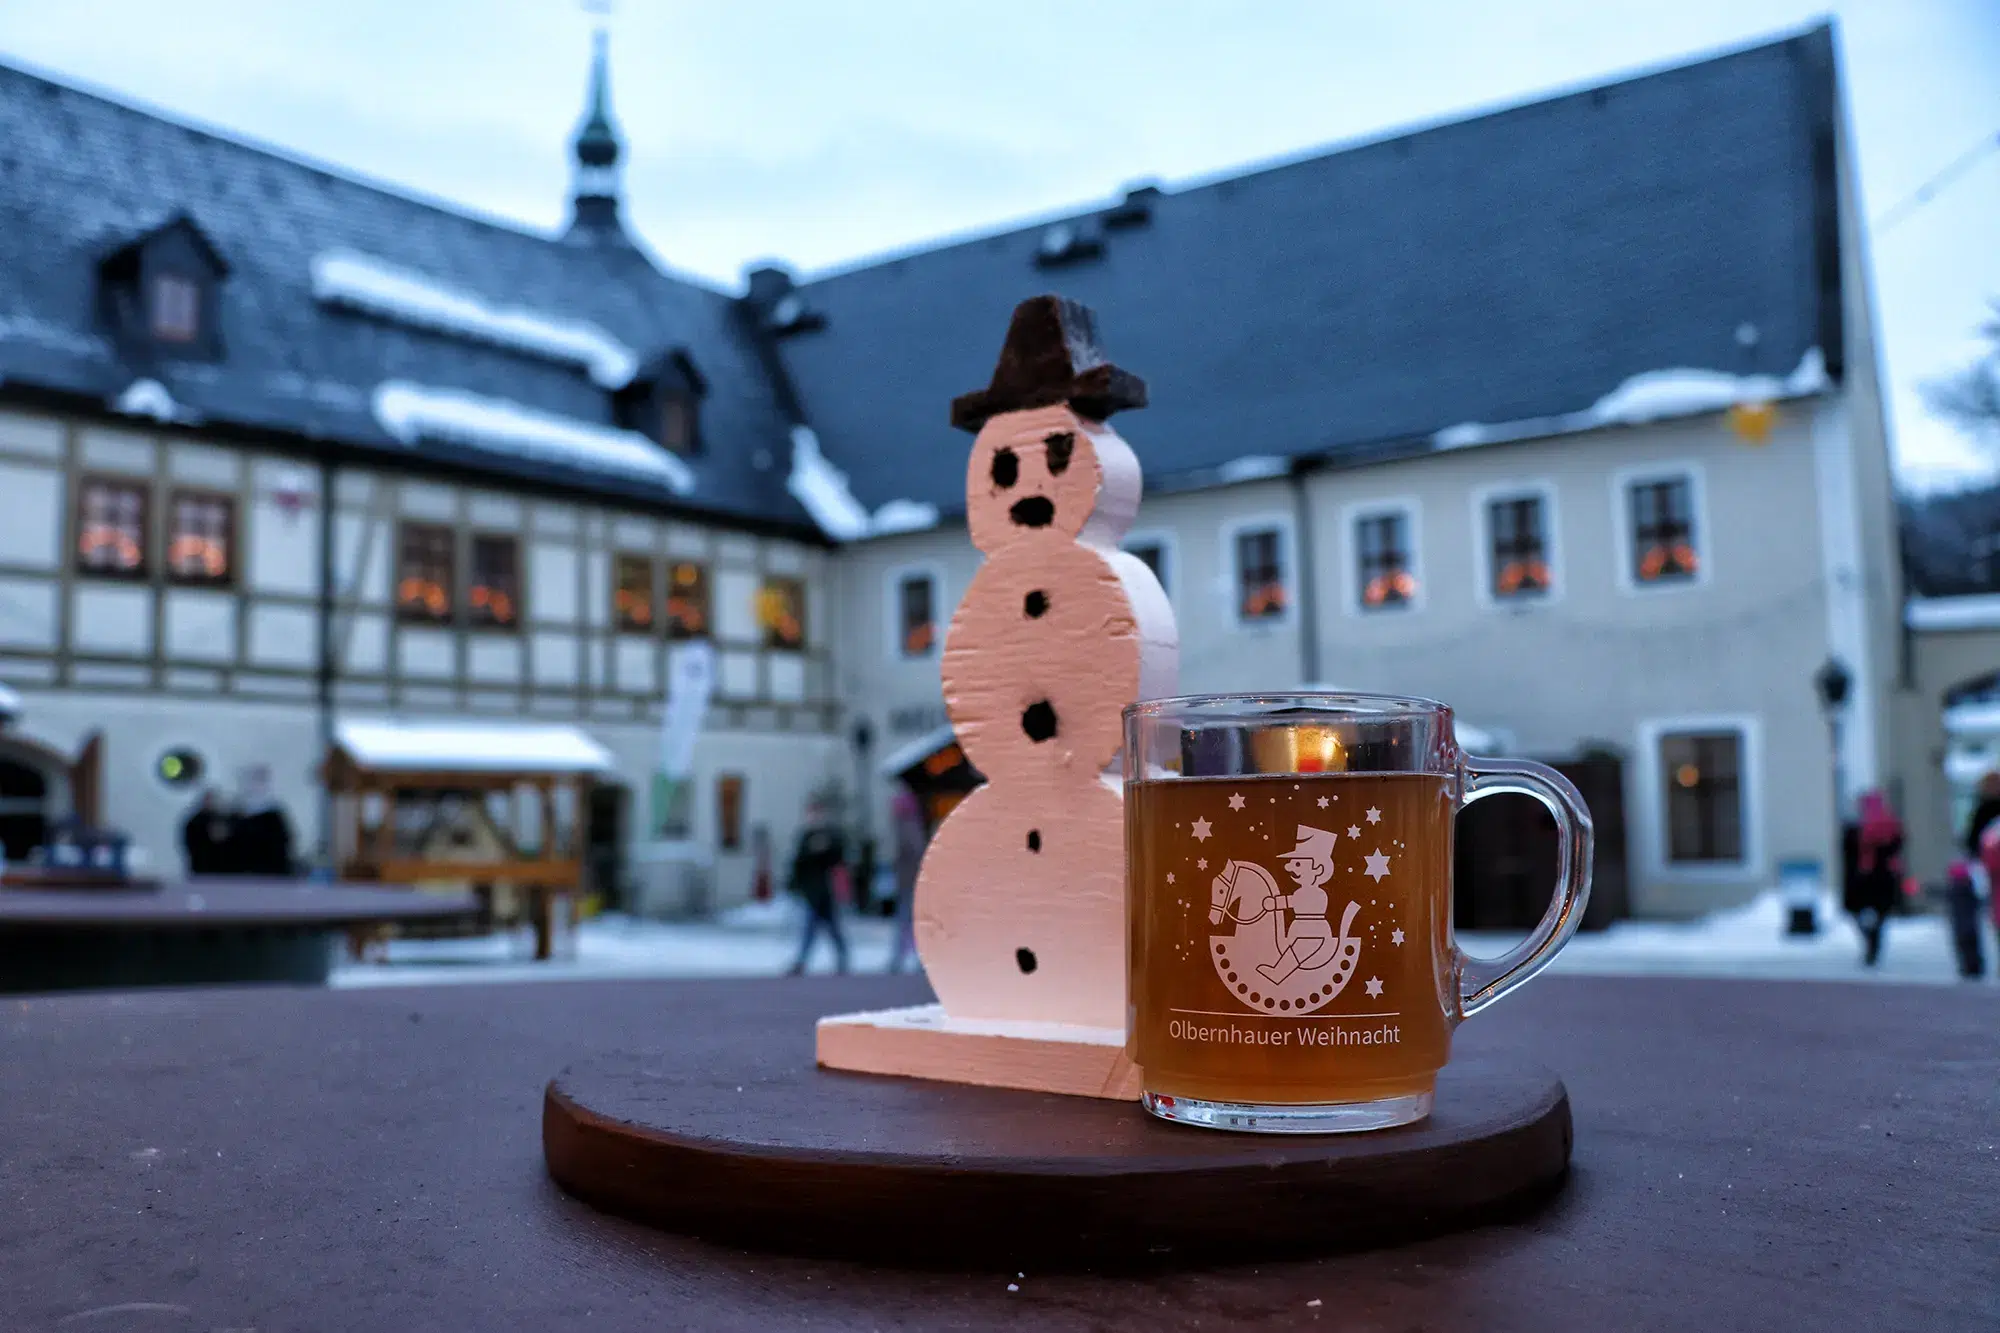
[1969,398]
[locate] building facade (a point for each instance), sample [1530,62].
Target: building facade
[1566,415]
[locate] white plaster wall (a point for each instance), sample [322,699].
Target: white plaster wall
[109,619]
[27,613]
[283,636]
[200,626]
[32,501]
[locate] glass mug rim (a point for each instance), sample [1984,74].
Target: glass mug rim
[1465,983]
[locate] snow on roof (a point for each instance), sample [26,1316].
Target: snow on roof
[412,412]
[1979,611]
[1255,467]
[359,282]
[10,702]
[149,398]
[822,488]
[1654,395]
[484,747]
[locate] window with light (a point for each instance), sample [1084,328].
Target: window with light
[687,600]
[1260,575]
[424,573]
[916,608]
[781,614]
[1383,561]
[1520,549]
[201,538]
[632,594]
[1701,774]
[111,528]
[1664,542]
[494,600]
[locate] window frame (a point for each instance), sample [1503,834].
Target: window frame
[1654,823]
[766,582]
[1288,569]
[476,617]
[1622,482]
[1483,500]
[707,627]
[231,544]
[405,614]
[892,609]
[157,284]
[1351,517]
[143,571]
[655,602]
[1169,573]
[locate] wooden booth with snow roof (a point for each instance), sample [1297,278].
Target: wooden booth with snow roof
[494,808]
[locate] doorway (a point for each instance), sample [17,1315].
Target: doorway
[606,828]
[1504,864]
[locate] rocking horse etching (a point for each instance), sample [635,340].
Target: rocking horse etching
[1301,960]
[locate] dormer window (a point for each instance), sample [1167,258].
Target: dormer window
[175,308]
[160,291]
[663,403]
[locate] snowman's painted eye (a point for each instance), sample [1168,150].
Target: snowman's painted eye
[1060,445]
[1006,468]
[1025,960]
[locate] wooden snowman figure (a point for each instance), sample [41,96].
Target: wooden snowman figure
[1020,916]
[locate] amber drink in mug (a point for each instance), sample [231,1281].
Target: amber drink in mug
[1291,963]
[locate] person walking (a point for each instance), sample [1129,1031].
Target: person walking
[816,864]
[1874,854]
[906,818]
[1985,814]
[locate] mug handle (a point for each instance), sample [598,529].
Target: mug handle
[1484,980]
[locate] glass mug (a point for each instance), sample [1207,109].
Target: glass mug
[1290,958]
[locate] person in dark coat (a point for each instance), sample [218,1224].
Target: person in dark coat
[910,839]
[262,845]
[206,835]
[1873,852]
[1985,814]
[820,857]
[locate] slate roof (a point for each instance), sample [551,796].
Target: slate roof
[1515,265]
[80,175]
[1506,267]
[1951,543]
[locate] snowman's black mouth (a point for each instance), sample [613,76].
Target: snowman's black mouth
[1034,512]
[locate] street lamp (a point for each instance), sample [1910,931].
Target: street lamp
[1833,683]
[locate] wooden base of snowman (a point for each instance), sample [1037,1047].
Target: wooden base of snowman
[1020,912]
[923,1041]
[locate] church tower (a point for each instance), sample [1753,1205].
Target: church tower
[595,152]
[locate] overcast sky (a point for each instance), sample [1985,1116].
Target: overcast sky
[822,131]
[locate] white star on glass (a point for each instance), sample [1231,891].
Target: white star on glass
[1201,830]
[1170,877]
[1374,815]
[1353,830]
[1201,864]
[1378,866]
[1396,935]
[1322,802]
[1236,800]
[1374,988]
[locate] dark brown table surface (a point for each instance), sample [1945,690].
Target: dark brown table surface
[203,904]
[1749,1155]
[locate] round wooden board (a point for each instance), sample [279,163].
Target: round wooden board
[754,1151]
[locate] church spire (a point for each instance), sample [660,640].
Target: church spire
[596,150]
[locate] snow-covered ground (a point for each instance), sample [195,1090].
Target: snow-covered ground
[761,940]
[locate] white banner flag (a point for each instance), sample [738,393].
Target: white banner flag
[690,684]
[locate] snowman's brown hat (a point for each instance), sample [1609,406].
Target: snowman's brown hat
[1051,356]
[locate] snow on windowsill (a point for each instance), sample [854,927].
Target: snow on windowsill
[1655,395]
[414,412]
[149,398]
[822,488]
[358,282]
